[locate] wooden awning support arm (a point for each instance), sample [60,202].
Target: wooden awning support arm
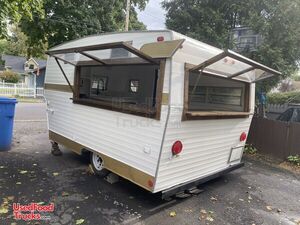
[63,72]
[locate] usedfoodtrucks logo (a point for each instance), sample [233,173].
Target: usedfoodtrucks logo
[32,211]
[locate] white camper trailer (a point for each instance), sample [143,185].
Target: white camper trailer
[158,108]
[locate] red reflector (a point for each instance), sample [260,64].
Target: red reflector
[150,183]
[177,147]
[243,136]
[160,38]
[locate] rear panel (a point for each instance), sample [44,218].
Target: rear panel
[209,145]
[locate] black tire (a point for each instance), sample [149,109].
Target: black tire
[98,170]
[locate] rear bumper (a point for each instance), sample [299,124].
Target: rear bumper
[182,187]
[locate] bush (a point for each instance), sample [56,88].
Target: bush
[284,97]
[9,76]
[294,159]
[249,149]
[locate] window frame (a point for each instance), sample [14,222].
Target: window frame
[202,115]
[153,113]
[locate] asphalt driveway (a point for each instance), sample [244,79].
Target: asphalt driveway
[255,194]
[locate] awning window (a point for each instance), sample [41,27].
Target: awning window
[103,54]
[234,66]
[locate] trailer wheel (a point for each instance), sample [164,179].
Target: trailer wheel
[98,165]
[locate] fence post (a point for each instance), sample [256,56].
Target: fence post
[15,86]
[34,91]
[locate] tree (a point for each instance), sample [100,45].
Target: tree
[212,21]
[70,19]
[13,10]
[17,44]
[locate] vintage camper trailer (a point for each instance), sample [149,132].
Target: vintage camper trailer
[158,108]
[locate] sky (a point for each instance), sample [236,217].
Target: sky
[153,16]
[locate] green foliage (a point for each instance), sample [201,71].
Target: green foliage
[17,44]
[249,149]
[13,10]
[9,76]
[211,21]
[284,97]
[66,20]
[294,159]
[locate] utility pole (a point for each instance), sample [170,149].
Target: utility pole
[127,15]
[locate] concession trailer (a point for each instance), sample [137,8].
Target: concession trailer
[158,108]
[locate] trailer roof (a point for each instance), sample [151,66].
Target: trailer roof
[143,48]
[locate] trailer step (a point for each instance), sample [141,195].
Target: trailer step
[194,191]
[182,194]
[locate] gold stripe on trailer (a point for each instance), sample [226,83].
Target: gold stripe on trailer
[58,87]
[130,173]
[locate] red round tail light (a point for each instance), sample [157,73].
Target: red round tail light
[160,38]
[177,147]
[243,136]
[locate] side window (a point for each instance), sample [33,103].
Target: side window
[212,93]
[134,86]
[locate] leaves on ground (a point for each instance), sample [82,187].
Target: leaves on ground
[269,208]
[173,213]
[80,221]
[3,210]
[213,199]
[23,171]
[64,193]
[210,219]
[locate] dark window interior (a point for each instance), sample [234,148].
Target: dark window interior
[133,85]
[212,93]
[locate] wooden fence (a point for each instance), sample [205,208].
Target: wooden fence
[275,138]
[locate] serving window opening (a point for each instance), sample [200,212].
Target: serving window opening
[211,93]
[214,97]
[119,87]
[117,76]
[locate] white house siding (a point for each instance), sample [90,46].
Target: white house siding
[206,143]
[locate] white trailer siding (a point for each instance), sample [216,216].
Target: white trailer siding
[124,137]
[142,143]
[206,143]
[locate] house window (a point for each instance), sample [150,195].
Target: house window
[31,66]
[210,95]
[99,84]
[130,89]
[134,86]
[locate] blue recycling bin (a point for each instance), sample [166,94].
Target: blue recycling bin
[7,113]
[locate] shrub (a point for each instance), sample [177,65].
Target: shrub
[9,76]
[249,149]
[284,97]
[295,159]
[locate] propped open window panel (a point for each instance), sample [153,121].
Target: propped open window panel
[103,54]
[231,65]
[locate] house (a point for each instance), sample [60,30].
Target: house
[245,39]
[27,69]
